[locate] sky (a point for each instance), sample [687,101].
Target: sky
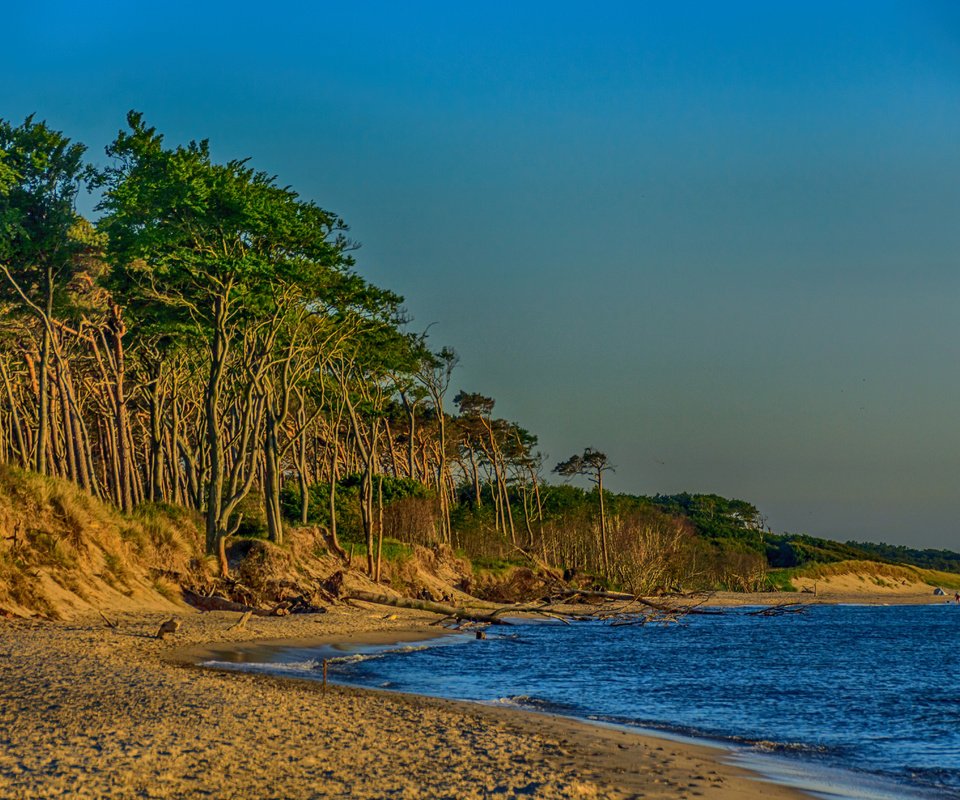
[717,241]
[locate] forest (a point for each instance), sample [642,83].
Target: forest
[208,342]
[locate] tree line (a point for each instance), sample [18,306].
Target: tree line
[208,338]
[207,341]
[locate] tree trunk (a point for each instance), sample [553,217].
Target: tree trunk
[219,348]
[424,605]
[121,419]
[379,526]
[271,484]
[155,446]
[603,526]
[15,418]
[302,466]
[43,399]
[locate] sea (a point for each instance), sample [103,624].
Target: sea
[844,701]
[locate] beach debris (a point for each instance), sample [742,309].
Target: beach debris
[213,602]
[168,626]
[241,623]
[110,622]
[333,585]
[779,609]
[448,612]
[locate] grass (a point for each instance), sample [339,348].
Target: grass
[55,529]
[779,580]
[880,574]
[495,566]
[115,566]
[393,549]
[167,589]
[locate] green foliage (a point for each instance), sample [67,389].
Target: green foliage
[347,501]
[250,517]
[591,463]
[942,560]
[347,504]
[779,580]
[793,550]
[393,488]
[193,239]
[716,517]
[495,566]
[561,499]
[41,172]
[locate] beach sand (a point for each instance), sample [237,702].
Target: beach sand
[86,711]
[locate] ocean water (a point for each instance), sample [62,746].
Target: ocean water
[862,699]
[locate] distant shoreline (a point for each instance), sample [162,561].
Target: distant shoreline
[826,594]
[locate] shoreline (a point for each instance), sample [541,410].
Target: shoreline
[89,711]
[805,776]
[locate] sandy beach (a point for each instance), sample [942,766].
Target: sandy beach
[87,711]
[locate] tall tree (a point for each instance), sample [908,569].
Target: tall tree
[435,372]
[592,463]
[214,246]
[41,173]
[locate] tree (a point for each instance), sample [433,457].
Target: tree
[592,463]
[435,372]
[219,247]
[41,172]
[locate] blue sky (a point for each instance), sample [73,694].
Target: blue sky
[718,241]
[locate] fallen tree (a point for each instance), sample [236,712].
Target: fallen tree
[620,608]
[215,602]
[460,614]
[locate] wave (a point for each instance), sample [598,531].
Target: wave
[534,703]
[268,667]
[307,667]
[356,658]
[766,746]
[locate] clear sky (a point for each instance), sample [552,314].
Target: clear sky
[718,241]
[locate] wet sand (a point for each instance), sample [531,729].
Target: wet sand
[86,711]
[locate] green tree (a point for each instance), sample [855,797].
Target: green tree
[222,248]
[41,173]
[592,463]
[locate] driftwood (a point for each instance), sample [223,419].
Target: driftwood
[634,611]
[448,612]
[241,623]
[779,609]
[623,609]
[110,622]
[664,608]
[216,603]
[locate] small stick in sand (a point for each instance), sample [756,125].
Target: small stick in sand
[110,623]
[242,622]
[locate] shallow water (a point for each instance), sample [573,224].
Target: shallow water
[874,691]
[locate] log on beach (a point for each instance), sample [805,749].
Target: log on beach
[461,614]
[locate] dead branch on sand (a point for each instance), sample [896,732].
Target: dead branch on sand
[448,612]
